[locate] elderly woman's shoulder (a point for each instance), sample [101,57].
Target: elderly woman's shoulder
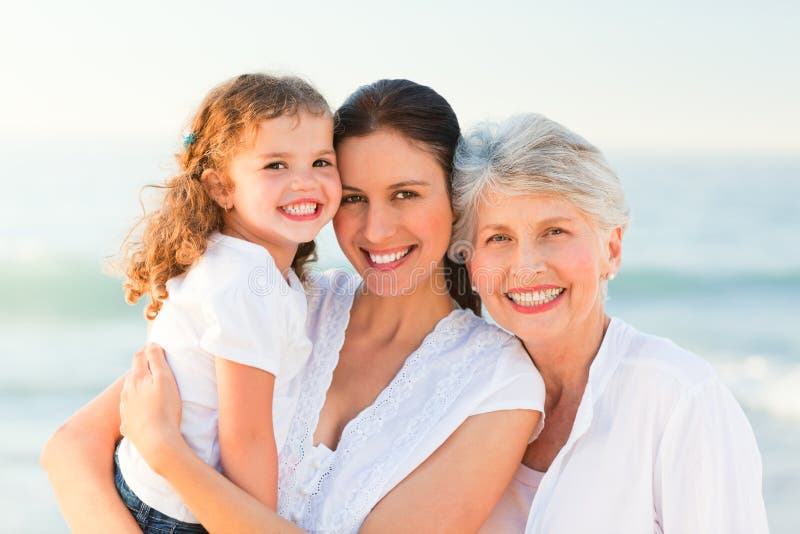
[660,358]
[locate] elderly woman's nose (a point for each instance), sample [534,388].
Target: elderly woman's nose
[380,223]
[527,260]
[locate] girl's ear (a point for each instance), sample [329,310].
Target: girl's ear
[216,188]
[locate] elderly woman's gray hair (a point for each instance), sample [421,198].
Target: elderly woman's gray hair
[529,154]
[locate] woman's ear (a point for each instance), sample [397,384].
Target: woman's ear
[216,188]
[615,250]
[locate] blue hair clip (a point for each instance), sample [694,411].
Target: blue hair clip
[188,140]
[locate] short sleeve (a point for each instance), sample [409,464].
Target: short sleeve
[516,385]
[246,327]
[708,469]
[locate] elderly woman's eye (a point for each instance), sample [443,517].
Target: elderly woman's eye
[555,231]
[497,238]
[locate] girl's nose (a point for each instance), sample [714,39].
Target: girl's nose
[303,180]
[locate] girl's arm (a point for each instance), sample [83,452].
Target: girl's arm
[246,438]
[79,460]
[452,491]
[150,410]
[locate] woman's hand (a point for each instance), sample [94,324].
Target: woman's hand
[150,407]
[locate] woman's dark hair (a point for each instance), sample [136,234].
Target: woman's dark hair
[420,114]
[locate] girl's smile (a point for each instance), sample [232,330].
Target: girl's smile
[304,209]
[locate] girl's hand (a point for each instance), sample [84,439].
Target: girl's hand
[150,407]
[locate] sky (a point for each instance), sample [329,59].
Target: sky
[637,77]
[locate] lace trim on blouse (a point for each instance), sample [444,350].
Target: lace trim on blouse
[304,507]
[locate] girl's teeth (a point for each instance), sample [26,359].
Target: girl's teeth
[388,258]
[536,298]
[306,208]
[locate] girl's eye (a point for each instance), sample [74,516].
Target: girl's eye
[352,199]
[275,165]
[497,238]
[322,163]
[402,195]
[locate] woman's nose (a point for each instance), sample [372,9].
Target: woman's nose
[380,224]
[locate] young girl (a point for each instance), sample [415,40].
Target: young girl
[222,261]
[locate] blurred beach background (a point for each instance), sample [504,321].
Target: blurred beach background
[694,104]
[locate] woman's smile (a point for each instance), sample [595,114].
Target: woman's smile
[388,259]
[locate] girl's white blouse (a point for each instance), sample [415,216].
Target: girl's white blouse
[463,367]
[659,444]
[234,303]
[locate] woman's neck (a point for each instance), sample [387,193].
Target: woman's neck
[390,318]
[564,360]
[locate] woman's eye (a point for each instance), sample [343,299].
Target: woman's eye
[321,163]
[402,195]
[275,165]
[352,199]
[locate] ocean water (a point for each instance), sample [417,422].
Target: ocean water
[712,261]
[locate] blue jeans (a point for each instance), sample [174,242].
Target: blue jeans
[150,520]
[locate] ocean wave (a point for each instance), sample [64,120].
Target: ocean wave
[661,282]
[763,383]
[70,288]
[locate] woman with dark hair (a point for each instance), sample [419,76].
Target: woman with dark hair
[412,413]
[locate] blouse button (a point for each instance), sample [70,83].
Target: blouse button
[316,463]
[302,490]
[295,517]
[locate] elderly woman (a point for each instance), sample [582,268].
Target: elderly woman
[641,435]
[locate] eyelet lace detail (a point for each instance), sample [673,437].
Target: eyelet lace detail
[336,287]
[371,485]
[351,509]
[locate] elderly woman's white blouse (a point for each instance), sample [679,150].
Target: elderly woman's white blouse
[463,368]
[659,444]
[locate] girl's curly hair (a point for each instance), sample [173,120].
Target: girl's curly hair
[176,234]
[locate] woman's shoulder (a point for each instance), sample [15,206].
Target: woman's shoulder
[336,281]
[502,352]
[470,329]
[675,384]
[333,288]
[658,358]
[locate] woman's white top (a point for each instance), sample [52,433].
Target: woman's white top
[659,444]
[463,367]
[511,512]
[235,304]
